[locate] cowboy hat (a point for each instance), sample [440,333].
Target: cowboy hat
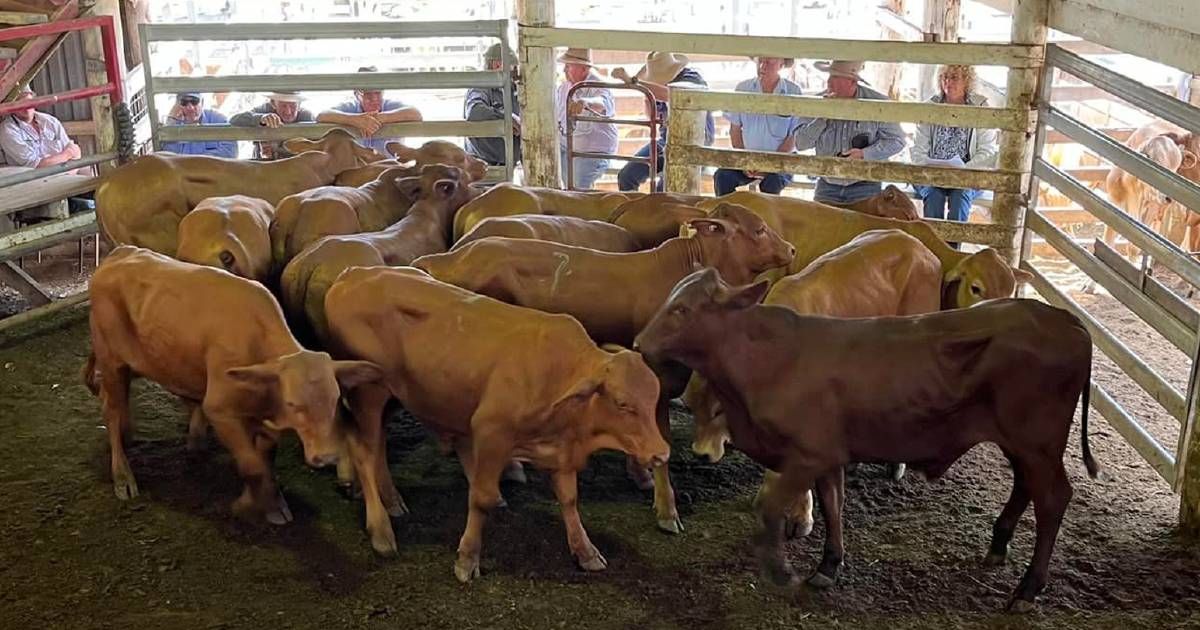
[581,56]
[290,96]
[842,68]
[662,67]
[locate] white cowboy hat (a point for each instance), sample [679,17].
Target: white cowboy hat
[286,95]
[841,68]
[581,56]
[662,67]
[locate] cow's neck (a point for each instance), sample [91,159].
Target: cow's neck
[385,193]
[421,231]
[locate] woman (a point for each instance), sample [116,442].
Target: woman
[953,146]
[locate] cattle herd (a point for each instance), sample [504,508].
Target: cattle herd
[528,325]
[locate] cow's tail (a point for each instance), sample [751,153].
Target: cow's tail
[1093,469]
[89,374]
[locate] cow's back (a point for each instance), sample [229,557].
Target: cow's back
[141,203]
[507,200]
[597,235]
[302,218]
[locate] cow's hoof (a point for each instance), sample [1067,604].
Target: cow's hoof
[397,508]
[795,530]
[349,490]
[994,560]
[502,503]
[820,581]
[897,471]
[594,563]
[1021,606]
[642,478]
[671,524]
[384,542]
[466,568]
[277,517]
[125,487]
[515,473]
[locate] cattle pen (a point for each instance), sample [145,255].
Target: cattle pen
[1128,555]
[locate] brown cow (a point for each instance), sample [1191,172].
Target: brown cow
[657,217]
[614,295]
[496,382]
[506,200]
[815,229]
[804,396]
[597,235]
[306,216]
[169,321]
[142,203]
[439,191]
[880,273]
[432,152]
[230,233]
[892,203]
[1174,149]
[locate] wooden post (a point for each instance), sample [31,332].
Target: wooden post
[1016,147]
[539,124]
[941,25]
[685,127]
[93,58]
[1187,458]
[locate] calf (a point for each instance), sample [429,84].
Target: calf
[892,203]
[169,321]
[615,295]
[432,152]
[506,200]
[439,192]
[230,233]
[921,389]
[573,231]
[307,216]
[657,217]
[1157,142]
[496,382]
[880,273]
[141,203]
[815,229]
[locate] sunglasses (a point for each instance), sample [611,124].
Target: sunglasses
[189,101]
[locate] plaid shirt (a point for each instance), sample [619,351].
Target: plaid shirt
[831,137]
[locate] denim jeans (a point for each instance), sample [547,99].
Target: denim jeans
[587,170]
[936,200]
[841,195]
[633,174]
[726,180]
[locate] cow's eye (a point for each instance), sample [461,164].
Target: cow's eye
[976,289]
[678,309]
[760,231]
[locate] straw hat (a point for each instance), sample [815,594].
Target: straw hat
[841,68]
[290,96]
[662,67]
[581,56]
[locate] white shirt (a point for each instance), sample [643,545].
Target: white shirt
[22,145]
[590,137]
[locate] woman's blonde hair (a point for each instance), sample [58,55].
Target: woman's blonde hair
[966,72]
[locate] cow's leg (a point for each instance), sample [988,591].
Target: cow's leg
[665,511]
[114,401]
[768,542]
[364,441]
[274,505]
[640,475]
[586,554]
[345,469]
[515,472]
[798,515]
[1006,523]
[1051,492]
[832,490]
[491,454]
[259,496]
[197,438]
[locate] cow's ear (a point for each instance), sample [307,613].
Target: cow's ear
[708,226]
[262,374]
[351,374]
[745,297]
[1022,276]
[401,152]
[1189,161]
[300,145]
[410,187]
[1176,137]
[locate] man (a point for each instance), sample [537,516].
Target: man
[32,139]
[589,137]
[187,111]
[851,139]
[368,112]
[761,132]
[281,108]
[663,72]
[488,104]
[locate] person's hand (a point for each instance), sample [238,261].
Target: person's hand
[855,154]
[620,74]
[176,112]
[72,151]
[575,108]
[754,174]
[271,120]
[516,124]
[367,125]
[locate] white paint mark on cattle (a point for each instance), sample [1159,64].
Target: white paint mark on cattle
[564,260]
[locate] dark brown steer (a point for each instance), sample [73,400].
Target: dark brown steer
[804,396]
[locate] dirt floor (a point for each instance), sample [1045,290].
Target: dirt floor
[73,556]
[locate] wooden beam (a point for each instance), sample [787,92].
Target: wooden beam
[845,168]
[93,54]
[20,18]
[17,279]
[34,51]
[1172,43]
[1011,55]
[850,109]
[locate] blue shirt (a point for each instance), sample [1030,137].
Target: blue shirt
[831,136]
[765,132]
[202,147]
[377,143]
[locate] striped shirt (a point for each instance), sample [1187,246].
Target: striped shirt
[831,137]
